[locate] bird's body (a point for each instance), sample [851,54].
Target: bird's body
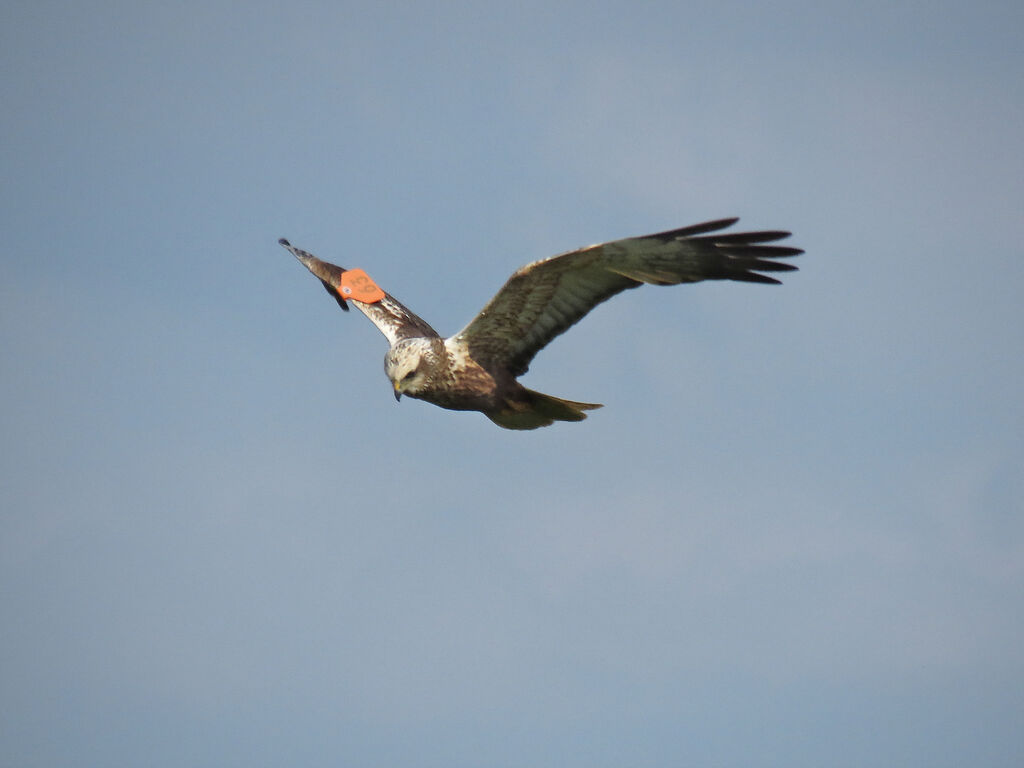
[477,368]
[441,372]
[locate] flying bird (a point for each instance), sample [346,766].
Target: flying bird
[476,369]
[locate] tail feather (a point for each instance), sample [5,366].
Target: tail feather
[530,410]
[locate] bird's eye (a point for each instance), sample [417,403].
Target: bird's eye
[409,375]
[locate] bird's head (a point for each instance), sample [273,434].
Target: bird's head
[407,365]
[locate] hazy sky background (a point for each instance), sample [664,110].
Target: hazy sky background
[793,536]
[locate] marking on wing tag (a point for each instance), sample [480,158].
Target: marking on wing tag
[359,286]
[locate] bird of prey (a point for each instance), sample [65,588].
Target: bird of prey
[476,369]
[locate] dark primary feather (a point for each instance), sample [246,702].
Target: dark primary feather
[546,298]
[329,274]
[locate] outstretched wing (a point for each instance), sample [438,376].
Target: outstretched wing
[393,319]
[546,298]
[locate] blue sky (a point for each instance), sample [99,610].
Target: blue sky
[792,537]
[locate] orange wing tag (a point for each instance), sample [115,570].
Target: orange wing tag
[356,284]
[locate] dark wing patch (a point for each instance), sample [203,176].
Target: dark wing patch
[546,298]
[334,294]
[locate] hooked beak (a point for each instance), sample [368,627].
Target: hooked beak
[398,393]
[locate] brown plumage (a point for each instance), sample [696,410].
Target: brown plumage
[476,369]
